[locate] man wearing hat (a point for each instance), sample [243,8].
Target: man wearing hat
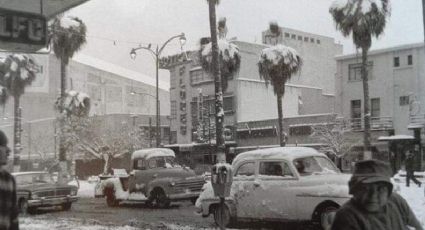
[374,205]
[8,205]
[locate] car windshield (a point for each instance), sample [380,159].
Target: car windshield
[163,162]
[314,165]
[38,178]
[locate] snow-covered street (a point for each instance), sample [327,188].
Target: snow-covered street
[92,214]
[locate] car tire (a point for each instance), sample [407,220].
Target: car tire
[326,216]
[111,200]
[161,200]
[24,209]
[222,216]
[66,206]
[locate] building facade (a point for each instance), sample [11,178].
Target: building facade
[248,102]
[116,93]
[397,100]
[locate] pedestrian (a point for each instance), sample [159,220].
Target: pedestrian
[374,205]
[410,169]
[8,205]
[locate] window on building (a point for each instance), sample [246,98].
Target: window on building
[293,36]
[194,111]
[300,37]
[396,61]
[287,35]
[303,130]
[318,41]
[183,106]
[173,110]
[404,100]
[312,40]
[182,70]
[173,81]
[375,110]
[306,39]
[409,59]
[356,110]
[355,71]
[228,103]
[199,76]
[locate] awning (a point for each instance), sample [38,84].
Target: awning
[395,137]
[48,8]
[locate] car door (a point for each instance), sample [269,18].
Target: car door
[276,188]
[242,187]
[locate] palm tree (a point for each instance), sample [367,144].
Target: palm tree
[215,69]
[68,36]
[363,19]
[277,64]
[17,72]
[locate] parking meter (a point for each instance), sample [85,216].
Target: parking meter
[221,179]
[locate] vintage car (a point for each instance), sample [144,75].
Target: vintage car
[155,178]
[279,184]
[38,189]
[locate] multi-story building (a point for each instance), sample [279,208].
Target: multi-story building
[118,94]
[248,103]
[396,81]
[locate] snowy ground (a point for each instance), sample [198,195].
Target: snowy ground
[414,195]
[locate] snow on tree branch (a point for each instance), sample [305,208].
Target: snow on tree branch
[75,103]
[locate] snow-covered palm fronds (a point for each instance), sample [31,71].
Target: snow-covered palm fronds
[362,18]
[229,59]
[68,36]
[74,103]
[17,72]
[277,64]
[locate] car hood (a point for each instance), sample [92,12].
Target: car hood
[44,186]
[177,172]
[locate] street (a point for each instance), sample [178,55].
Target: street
[93,213]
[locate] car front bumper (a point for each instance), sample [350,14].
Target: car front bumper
[43,202]
[184,196]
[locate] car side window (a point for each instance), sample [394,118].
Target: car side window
[246,169]
[152,163]
[275,168]
[139,164]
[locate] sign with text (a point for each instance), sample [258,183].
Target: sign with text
[21,31]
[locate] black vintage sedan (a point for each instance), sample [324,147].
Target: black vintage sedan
[38,189]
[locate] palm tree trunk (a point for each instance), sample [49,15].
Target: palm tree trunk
[219,118]
[62,150]
[16,134]
[367,154]
[280,120]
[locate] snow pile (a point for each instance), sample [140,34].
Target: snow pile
[36,223]
[415,196]
[75,99]
[154,152]
[115,183]
[226,49]
[365,6]
[68,22]
[21,66]
[277,54]
[86,189]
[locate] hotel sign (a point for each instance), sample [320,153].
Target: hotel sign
[21,31]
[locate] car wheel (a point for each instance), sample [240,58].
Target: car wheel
[161,200]
[222,216]
[24,209]
[327,215]
[111,200]
[66,206]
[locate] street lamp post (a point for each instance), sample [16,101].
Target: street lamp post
[157,55]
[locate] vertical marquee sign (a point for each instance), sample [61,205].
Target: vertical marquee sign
[21,31]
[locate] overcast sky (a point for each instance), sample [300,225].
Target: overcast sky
[115,26]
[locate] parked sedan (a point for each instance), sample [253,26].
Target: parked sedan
[38,189]
[280,184]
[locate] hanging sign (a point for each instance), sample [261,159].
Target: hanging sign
[22,31]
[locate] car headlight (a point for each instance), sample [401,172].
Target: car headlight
[34,196]
[172,183]
[73,192]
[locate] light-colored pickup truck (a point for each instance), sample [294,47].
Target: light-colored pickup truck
[155,178]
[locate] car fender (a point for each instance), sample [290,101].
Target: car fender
[163,183]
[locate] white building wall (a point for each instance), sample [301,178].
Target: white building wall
[388,83]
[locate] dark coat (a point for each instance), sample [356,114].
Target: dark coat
[396,215]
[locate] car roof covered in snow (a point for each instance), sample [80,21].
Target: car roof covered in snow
[288,153]
[28,173]
[153,152]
